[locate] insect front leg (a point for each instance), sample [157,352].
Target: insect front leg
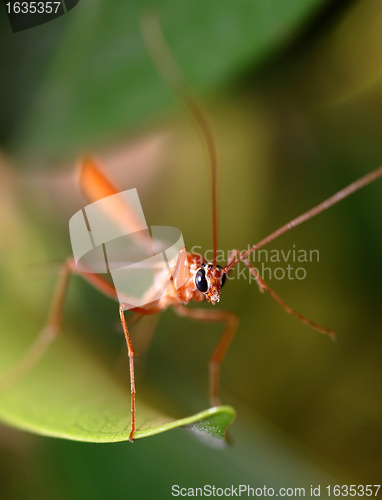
[53,324]
[231,322]
[131,354]
[263,286]
[234,254]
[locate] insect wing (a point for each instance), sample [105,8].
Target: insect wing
[111,234]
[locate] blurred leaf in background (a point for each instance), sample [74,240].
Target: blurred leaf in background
[99,82]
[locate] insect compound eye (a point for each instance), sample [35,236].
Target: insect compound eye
[224,277]
[201,281]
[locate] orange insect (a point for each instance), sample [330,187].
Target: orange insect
[204,280]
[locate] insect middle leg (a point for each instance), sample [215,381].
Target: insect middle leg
[231,322]
[53,326]
[44,339]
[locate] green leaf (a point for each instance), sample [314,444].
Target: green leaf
[71,395]
[101,82]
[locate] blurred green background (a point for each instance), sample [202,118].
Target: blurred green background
[294,90]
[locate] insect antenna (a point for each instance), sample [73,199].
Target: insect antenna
[343,193]
[172,75]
